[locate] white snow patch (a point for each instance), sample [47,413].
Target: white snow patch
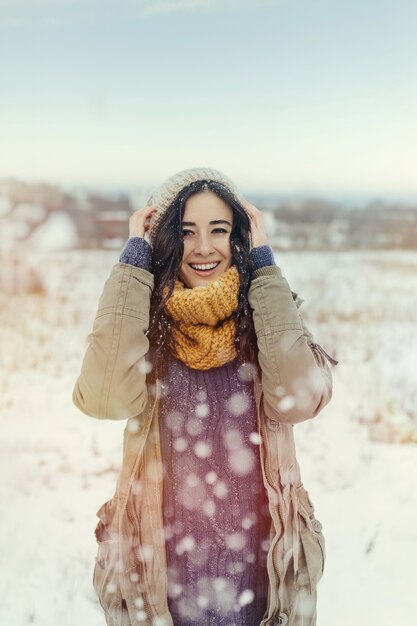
[58,233]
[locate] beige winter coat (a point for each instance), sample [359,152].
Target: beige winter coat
[130,575]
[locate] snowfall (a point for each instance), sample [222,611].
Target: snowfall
[358,458]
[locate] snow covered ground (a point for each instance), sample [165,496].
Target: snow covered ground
[358,458]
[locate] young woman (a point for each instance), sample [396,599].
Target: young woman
[199,344]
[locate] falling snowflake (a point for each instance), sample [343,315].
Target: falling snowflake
[247,372]
[185,545]
[211,477]
[146,552]
[236,568]
[246,597]
[202,410]
[141,616]
[201,395]
[219,584]
[220,489]
[249,521]
[209,508]
[133,425]
[202,601]
[233,439]
[242,461]
[286,403]
[192,480]
[159,621]
[194,427]
[255,438]
[174,590]
[174,421]
[144,366]
[238,403]
[236,541]
[202,449]
[265,545]
[180,444]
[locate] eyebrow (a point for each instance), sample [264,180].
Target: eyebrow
[212,222]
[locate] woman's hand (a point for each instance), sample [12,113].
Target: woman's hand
[257,229]
[139,221]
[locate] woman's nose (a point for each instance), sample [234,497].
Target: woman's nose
[203,245]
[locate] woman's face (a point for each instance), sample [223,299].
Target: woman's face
[206,227]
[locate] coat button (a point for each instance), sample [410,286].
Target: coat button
[272,424]
[280,620]
[317,525]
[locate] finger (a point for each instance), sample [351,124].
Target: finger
[148,210]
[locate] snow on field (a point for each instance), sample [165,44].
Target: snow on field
[358,458]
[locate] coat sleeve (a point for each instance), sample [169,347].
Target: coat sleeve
[296,377]
[112,382]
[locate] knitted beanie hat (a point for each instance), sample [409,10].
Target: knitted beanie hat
[168,191]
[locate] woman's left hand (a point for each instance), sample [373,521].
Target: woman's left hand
[257,229]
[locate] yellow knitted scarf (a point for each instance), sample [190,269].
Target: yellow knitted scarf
[204,328]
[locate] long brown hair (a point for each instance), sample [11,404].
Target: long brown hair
[167,255]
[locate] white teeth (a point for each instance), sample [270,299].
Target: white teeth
[205,266]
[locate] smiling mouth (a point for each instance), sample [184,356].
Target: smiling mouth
[204,267]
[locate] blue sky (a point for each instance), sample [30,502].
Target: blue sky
[291,95]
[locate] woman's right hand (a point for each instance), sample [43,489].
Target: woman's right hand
[139,221]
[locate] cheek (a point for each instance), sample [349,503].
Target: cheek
[187,246]
[228,249]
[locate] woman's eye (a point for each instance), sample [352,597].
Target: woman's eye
[215,231]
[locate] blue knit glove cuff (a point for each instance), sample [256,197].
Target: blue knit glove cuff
[137,252]
[262,256]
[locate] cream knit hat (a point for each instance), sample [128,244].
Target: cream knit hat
[168,191]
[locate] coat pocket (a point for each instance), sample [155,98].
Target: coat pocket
[312,541]
[314,548]
[106,576]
